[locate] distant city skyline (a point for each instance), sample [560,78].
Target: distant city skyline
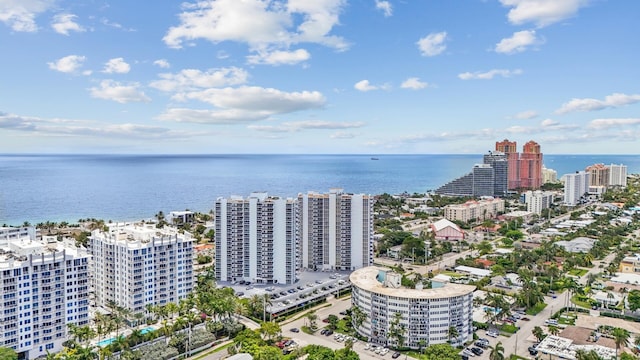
[318,77]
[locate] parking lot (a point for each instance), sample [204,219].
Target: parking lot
[311,286]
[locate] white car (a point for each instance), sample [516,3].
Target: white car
[468,352]
[366,347]
[492,334]
[384,351]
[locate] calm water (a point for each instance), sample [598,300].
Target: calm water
[38,188]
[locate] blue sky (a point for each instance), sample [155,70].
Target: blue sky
[318,76]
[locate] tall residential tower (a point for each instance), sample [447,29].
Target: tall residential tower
[137,265]
[336,230]
[256,239]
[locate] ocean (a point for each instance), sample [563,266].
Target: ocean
[38,188]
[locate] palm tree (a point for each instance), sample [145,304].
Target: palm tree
[422,343]
[538,333]
[554,330]
[621,338]
[453,334]
[312,317]
[497,352]
[623,291]
[358,316]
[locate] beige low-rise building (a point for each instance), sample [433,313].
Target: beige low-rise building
[475,210]
[630,264]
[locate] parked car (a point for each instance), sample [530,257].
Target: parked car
[492,334]
[481,344]
[477,351]
[295,330]
[532,351]
[395,355]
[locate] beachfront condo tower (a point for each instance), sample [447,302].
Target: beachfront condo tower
[138,265]
[336,230]
[256,239]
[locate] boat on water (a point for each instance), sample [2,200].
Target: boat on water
[374,158]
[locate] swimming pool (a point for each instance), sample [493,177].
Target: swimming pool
[108,341]
[488,308]
[147,330]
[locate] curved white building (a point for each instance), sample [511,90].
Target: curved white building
[425,314]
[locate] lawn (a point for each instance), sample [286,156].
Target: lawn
[579,300]
[536,309]
[578,272]
[453,274]
[508,329]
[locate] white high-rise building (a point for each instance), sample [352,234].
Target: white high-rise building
[256,239]
[136,265]
[14,233]
[618,175]
[336,230]
[538,200]
[45,287]
[575,186]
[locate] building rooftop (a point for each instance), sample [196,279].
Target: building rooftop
[566,349]
[20,250]
[367,279]
[444,223]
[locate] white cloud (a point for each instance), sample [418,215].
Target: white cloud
[364,85]
[518,42]
[253,98]
[295,126]
[63,23]
[20,15]
[279,57]
[601,124]
[489,74]
[115,91]
[611,101]
[162,63]
[385,7]
[526,115]
[548,122]
[200,116]
[68,64]
[67,127]
[260,24]
[115,25]
[541,12]
[190,79]
[433,44]
[342,135]
[246,103]
[116,66]
[413,83]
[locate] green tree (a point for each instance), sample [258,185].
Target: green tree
[538,333]
[312,317]
[442,352]
[8,354]
[497,352]
[554,330]
[333,321]
[453,334]
[270,330]
[397,330]
[621,338]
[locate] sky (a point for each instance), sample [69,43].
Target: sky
[319,76]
